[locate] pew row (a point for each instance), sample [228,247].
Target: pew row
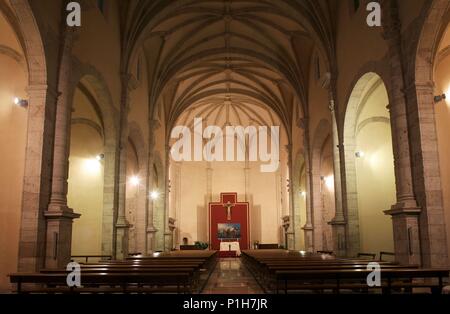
[295,271]
[167,273]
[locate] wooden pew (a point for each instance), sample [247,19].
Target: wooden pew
[314,272]
[87,257]
[337,279]
[125,282]
[143,274]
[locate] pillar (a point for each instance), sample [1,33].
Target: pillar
[405,213]
[150,228]
[58,215]
[338,223]
[121,224]
[290,195]
[168,234]
[308,227]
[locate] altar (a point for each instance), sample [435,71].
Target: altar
[229,225]
[230,248]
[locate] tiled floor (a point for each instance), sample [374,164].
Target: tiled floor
[231,277]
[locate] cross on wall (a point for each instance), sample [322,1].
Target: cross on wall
[228,206]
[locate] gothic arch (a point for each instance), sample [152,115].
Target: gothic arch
[42,97]
[89,75]
[424,146]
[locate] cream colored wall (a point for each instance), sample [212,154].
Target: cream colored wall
[13,129]
[265,213]
[375,176]
[86,190]
[356,45]
[139,100]
[86,177]
[442,116]
[98,44]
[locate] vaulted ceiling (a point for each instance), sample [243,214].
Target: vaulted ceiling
[240,52]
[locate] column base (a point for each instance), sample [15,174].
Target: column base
[339,239]
[168,241]
[290,240]
[406,234]
[122,237]
[59,236]
[150,239]
[308,230]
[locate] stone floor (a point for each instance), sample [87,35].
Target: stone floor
[231,277]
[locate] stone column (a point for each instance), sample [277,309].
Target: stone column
[247,180]
[37,177]
[150,229]
[121,224]
[338,223]
[209,196]
[290,195]
[405,213]
[308,227]
[168,235]
[58,215]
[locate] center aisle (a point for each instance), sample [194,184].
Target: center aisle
[231,277]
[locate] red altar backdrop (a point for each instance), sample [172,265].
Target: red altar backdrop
[229,215]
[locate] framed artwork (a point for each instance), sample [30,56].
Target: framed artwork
[228,231]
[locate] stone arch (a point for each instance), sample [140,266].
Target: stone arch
[321,135]
[362,90]
[376,67]
[89,75]
[39,146]
[424,133]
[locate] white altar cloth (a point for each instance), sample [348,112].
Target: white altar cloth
[231,246]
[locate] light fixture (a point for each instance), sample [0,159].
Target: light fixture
[135,180]
[359,154]
[92,166]
[303,193]
[329,182]
[440,98]
[20,102]
[100,157]
[154,195]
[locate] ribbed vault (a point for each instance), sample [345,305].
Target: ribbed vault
[253,51]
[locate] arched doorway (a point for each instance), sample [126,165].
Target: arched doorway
[369,165]
[13,141]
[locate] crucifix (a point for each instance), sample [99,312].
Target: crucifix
[228,206]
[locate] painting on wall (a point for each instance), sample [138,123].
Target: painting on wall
[228,231]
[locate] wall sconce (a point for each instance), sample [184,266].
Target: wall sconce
[303,193]
[359,154]
[20,102]
[100,157]
[439,98]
